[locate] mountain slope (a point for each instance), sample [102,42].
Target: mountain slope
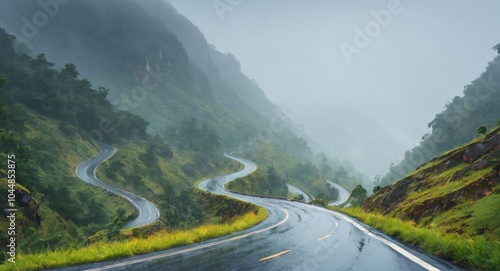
[50,122]
[458,192]
[457,124]
[158,65]
[117,44]
[231,88]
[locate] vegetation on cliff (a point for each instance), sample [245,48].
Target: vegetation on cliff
[448,206]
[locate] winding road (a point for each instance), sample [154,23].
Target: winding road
[343,194]
[295,236]
[295,190]
[86,171]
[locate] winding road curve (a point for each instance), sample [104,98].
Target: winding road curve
[295,190]
[86,171]
[295,236]
[343,194]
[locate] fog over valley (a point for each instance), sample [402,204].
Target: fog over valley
[250,135]
[373,105]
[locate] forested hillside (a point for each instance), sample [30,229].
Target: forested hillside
[158,65]
[457,124]
[120,45]
[51,120]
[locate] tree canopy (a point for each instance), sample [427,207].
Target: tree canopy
[359,194]
[482,129]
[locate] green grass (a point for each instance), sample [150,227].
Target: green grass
[486,216]
[443,183]
[108,251]
[470,252]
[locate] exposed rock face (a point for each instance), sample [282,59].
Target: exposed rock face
[475,151]
[418,195]
[495,141]
[475,190]
[25,203]
[30,206]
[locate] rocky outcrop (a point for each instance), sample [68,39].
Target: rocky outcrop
[475,191]
[475,151]
[27,207]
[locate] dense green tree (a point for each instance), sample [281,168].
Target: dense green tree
[376,189]
[40,62]
[114,227]
[482,129]
[359,194]
[274,179]
[165,151]
[69,72]
[150,155]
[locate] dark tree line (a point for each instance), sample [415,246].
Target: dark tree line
[37,100]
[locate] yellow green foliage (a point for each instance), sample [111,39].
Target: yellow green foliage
[107,251]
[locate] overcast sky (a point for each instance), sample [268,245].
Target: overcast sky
[391,83]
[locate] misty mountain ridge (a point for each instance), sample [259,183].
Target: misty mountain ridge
[158,65]
[163,71]
[46,113]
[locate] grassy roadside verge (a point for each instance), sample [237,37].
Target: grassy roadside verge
[463,250]
[99,252]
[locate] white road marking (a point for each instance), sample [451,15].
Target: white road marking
[275,255]
[390,244]
[324,237]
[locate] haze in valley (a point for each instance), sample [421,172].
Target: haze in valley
[363,78]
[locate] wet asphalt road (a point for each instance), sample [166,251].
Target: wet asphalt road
[300,236]
[86,171]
